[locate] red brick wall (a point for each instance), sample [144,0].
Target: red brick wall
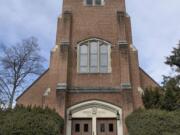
[146,80]
[34,94]
[88,22]
[83,22]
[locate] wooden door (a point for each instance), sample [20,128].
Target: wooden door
[82,127]
[106,127]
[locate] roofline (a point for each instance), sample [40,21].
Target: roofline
[150,77]
[32,84]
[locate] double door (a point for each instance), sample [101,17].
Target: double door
[103,127]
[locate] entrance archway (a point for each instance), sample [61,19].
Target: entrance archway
[94,118]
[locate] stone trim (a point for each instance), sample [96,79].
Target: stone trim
[95,90]
[61,86]
[126,86]
[123,44]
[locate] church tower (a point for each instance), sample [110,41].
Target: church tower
[94,80]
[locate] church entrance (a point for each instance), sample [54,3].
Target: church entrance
[94,118]
[82,127]
[106,127]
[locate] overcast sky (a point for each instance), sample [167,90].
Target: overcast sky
[155,26]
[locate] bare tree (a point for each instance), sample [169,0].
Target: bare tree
[17,64]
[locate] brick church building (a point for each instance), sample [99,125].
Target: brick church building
[94,80]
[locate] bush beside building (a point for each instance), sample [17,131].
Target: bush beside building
[153,122]
[30,121]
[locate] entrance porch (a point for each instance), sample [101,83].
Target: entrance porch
[94,118]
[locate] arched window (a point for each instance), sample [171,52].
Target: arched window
[94,56]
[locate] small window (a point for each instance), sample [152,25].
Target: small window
[86,128]
[94,2]
[98,2]
[89,2]
[102,127]
[111,129]
[77,127]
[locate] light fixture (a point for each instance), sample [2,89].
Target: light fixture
[70,115]
[118,115]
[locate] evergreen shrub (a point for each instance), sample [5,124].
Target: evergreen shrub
[153,122]
[30,121]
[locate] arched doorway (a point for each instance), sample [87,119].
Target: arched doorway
[94,118]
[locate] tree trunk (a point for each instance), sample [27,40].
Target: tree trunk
[12,98]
